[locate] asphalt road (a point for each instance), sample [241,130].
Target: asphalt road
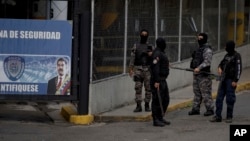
[34,126]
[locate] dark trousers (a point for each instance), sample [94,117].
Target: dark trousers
[155,105]
[225,90]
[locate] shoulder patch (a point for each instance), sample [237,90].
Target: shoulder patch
[155,61]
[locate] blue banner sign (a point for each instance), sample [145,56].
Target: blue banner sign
[35,57]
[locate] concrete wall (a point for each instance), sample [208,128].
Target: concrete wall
[111,93]
[119,91]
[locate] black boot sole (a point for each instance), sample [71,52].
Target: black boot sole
[137,110]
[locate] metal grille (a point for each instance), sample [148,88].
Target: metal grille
[109,29]
[108,43]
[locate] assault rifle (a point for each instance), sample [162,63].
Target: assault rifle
[223,74]
[201,72]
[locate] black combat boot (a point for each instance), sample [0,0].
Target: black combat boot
[165,121]
[216,119]
[147,108]
[209,113]
[138,107]
[159,123]
[193,112]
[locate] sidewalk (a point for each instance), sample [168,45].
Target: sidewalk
[180,98]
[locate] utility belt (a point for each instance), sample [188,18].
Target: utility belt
[144,68]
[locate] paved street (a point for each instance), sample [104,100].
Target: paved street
[28,125]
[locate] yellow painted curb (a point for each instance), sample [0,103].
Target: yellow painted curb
[145,118]
[180,105]
[81,119]
[247,86]
[71,116]
[243,86]
[240,87]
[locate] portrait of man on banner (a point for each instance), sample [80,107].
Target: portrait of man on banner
[60,84]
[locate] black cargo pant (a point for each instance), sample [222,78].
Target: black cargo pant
[164,97]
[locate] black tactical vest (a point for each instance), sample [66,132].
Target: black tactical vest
[198,59]
[141,55]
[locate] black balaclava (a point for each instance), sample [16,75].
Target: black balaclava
[144,38]
[150,48]
[204,40]
[230,45]
[161,43]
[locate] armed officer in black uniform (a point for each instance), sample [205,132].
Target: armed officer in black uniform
[159,87]
[139,70]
